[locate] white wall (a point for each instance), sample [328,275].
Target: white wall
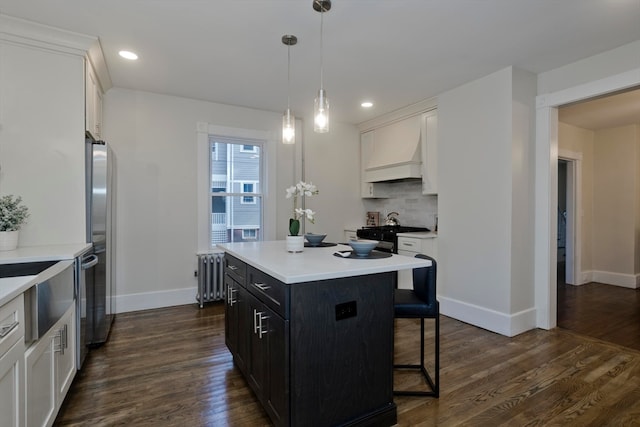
[332,162]
[42,141]
[154,139]
[485,166]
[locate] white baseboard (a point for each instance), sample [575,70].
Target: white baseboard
[501,323]
[158,299]
[631,281]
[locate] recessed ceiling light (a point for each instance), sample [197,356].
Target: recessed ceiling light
[128,55]
[367,104]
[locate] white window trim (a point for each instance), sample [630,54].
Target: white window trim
[203,130]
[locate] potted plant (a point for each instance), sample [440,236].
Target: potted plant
[13,215]
[295,243]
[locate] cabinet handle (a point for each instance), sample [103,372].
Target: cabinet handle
[230,296]
[6,329]
[60,347]
[232,267]
[261,331]
[262,286]
[258,317]
[255,322]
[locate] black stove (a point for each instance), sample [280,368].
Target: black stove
[386,235]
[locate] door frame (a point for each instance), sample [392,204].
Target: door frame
[546,185]
[574,218]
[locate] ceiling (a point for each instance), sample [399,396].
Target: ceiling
[619,109]
[391,52]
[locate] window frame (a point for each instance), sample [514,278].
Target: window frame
[270,136]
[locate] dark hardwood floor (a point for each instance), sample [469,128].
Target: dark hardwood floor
[170,367]
[610,313]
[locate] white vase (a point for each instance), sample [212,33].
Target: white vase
[8,240]
[295,243]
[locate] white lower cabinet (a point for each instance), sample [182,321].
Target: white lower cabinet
[50,369]
[410,246]
[12,363]
[12,386]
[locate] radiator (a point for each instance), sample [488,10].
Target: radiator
[210,278]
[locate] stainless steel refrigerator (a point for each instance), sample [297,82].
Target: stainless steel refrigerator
[99,283]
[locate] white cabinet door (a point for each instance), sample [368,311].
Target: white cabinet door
[429,141]
[411,246]
[50,369]
[65,355]
[41,389]
[12,387]
[93,103]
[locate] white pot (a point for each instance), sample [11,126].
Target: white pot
[295,243]
[8,240]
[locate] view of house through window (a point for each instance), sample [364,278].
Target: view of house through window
[236,189]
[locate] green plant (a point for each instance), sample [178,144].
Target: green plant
[13,214]
[301,189]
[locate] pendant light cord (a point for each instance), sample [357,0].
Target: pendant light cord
[321,49]
[288,74]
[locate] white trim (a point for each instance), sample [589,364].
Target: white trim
[574,213]
[616,279]
[501,323]
[203,130]
[156,299]
[546,184]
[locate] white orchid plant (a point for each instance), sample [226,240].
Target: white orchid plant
[301,189]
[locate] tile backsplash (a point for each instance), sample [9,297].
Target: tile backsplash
[414,208]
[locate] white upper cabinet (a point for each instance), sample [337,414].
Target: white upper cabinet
[369,190]
[93,102]
[429,152]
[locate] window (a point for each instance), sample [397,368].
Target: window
[249,149]
[247,187]
[236,175]
[250,234]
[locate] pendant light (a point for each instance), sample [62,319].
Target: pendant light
[321,105]
[288,120]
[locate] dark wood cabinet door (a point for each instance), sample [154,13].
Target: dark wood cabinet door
[230,315]
[244,328]
[257,349]
[277,387]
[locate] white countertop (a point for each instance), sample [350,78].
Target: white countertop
[11,287]
[313,263]
[43,253]
[419,234]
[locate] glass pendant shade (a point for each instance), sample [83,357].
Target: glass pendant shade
[321,113]
[288,128]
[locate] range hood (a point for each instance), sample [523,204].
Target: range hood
[393,152]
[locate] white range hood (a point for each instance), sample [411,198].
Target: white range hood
[394,152]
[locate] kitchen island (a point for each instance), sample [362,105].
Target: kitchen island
[312,332]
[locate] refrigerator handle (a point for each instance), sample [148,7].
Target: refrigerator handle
[89,262]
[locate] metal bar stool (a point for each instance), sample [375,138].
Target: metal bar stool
[421,303]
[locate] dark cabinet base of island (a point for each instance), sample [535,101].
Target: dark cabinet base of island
[315,353]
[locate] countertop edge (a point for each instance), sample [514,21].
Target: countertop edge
[291,268]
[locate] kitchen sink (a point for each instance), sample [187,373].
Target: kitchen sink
[24,268]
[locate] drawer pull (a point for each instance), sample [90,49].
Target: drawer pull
[407,244]
[262,286]
[6,329]
[232,267]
